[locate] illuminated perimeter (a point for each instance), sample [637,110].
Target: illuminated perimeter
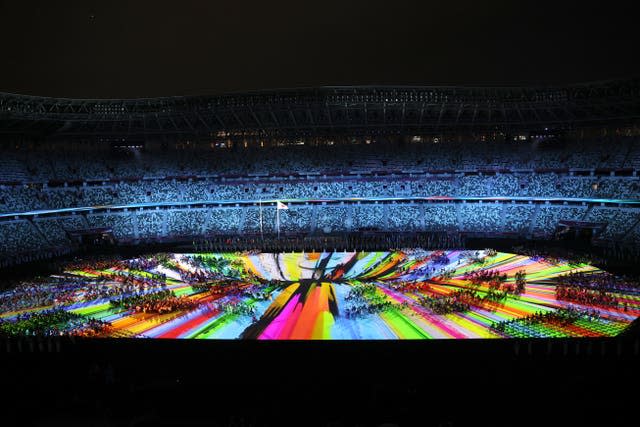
[410,294]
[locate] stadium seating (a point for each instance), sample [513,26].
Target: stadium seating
[41,180]
[15,199]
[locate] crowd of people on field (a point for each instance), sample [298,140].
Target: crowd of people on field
[42,323]
[366,241]
[597,289]
[38,292]
[563,317]
[599,281]
[160,302]
[365,298]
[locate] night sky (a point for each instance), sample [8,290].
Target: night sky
[140,48]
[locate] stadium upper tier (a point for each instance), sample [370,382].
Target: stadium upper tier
[363,110]
[99,162]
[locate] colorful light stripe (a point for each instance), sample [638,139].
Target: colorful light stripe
[311,296]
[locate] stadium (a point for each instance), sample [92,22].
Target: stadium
[340,185]
[506,217]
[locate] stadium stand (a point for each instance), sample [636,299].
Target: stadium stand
[424,170]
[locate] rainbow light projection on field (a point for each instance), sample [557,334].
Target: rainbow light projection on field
[334,295]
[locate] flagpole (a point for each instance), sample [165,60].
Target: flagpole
[261,233]
[278,219]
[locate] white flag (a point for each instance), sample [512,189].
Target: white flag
[281,205]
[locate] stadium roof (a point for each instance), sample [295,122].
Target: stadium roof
[337,110]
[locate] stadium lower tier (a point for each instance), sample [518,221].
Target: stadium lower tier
[406,294]
[34,235]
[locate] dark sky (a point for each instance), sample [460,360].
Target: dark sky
[140,48]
